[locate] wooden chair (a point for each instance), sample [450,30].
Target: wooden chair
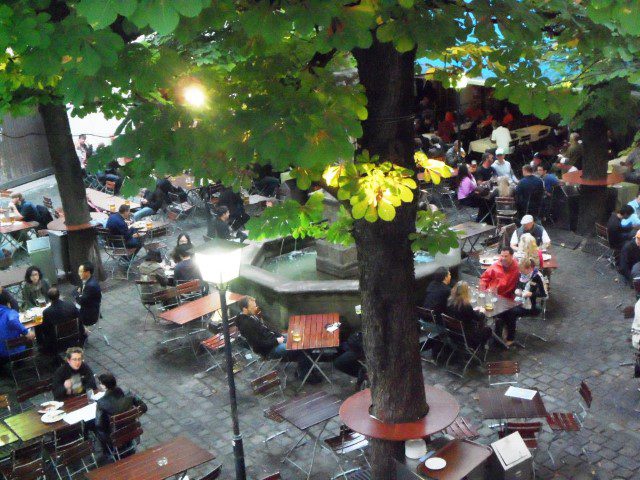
[73,458]
[125,431]
[562,422]
[215,344]
[26,393]
[456,341]
[267,384]
[26,463]
[507,367]
[461,429]
[48,204]
[507,232]
[609,254]
[430,328]
[23,360]
[345,442]
[182,210]
[212,475]
[506,209]
[68,334]
[189,290]
[527,430]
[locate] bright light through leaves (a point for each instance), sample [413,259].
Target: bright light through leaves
[194,96]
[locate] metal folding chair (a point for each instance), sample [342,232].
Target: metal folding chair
[347,441]
[457,343]
[507,367]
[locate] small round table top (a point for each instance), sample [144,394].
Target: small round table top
[60,226]
[443,410]
[575,177]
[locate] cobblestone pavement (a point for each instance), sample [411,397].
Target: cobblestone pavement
[588,339]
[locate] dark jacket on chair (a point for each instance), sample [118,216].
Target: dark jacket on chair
[118,226]
[113,403]
[58,312]
[436,297]
[89,300]
[261,338]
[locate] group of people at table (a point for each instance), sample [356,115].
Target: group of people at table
[518,276]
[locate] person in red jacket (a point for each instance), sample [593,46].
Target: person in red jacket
[503,275]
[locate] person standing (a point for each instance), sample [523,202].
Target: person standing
[89,295]
[501,137]
[529,192]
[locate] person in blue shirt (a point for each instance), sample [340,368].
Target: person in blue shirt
[117,225]
[634,219]
[10,327]
[28,212]
[549,179]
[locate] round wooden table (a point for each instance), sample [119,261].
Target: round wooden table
[443,410]
[576,178]
[59,225]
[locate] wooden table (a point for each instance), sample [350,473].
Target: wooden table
[576,178]
[59,224]
[27,425]
[501,305]
[18,228]
[187,182]
[495,404]
[536,131]
[487,260]
[103,201]
[12,277]
[314,336]
[7,436]
[470,233]
[190,311]
[163,461]
[462,456]
[305,412]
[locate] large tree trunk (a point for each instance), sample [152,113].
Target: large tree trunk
[66,167]
[387,278]
[593,200]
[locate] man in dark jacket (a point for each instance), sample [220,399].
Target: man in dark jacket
[233,201]
[629,257]
[218,226]
[89,295]
[58,312]
[266,342]
[151,202]
[529,192]
[117,225]
[114,402]
[74,377]
[619,235]
[438,291]
[186,269]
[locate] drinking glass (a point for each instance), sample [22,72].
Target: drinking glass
[296,335]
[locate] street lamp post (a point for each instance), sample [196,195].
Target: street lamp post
[219,263]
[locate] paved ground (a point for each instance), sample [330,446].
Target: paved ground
[588,339]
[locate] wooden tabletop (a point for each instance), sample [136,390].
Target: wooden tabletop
[59,224]
[501,305]
[313,330]
[6,435]
[576,178]
[495,404]
[27,425]
[471,229]
[156,463]
[103,201]
[308,410]
[184,181]
[443,410]
[17,227]
[195,309]
[462,457]
[13,276]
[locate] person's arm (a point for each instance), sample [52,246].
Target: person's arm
[59,390]
[89,378]
[486,277]
[138,402]
[546,240]
[514,240]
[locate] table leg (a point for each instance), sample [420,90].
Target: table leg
[315,447]
[316,440]
[7,238]
[314,365]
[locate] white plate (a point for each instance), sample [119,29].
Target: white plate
[52,405]
[52,416]
[546,256]
[435,463]
[488,260]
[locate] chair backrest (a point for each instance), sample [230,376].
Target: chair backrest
[427,314]
[22,341]
[273,476]
[505,203]
[190,286]
[527,430]
[507,233]
[462,429]
[68,334]
[544,132]
[33,389]
[125,427]
[514,143]
[455,329]
[585,393]
[68,434]
[215,473]
[525,138]
[602,233]
[72,453]
[265,383]
[507,367]
[27,462]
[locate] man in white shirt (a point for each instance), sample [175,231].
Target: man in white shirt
[502,167]
[81,151]
[528,225]
[501,137]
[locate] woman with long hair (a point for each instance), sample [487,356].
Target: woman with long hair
[528,248]
[504,187]
[34,287]
[468,195]
[474,321]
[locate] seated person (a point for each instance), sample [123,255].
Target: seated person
[434,148]
[438,292]
[150,201]
[502,168]
[469,197]
[529,192]
[117,225]
[629,257]
[268,343]
[59,311]
[349,359]
[34,287]
[528,225]
[474,321]
[618,233]
[28,212]
[186,269]
[12,301]
[88,295]
[635,327]
[233,201]
[503,188]
[455,154]
[112,174]
[218,226]
[549,180]
[266,182]
[528,248]
[151,269]
[166,187]
[634,219]
[10,328]
[485,171]
[114,402]
[503,275]
[531,286]
[447,127]
[183,239]
[74,377]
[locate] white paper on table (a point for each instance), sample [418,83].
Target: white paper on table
[97,396]
[86,413]
[517,392]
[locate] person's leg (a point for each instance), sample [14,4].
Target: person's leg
[143,212]
[348,363]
